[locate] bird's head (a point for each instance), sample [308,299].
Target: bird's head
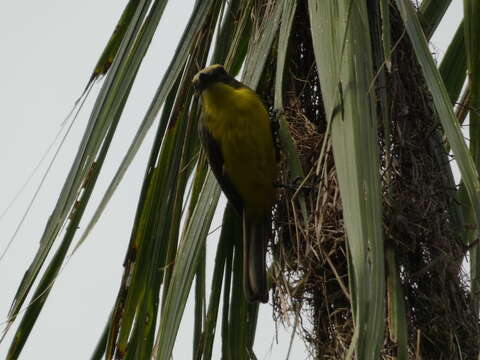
[208,76]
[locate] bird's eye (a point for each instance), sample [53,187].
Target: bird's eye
[222,71]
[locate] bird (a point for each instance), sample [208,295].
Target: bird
[235,132]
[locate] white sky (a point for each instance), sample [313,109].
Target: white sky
[48,51]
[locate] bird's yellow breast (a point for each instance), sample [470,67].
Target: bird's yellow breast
[239,123]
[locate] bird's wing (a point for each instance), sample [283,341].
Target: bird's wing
[215,159]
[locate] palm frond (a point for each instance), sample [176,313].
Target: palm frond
[342,50]
[349,248]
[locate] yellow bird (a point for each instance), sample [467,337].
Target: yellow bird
[236,135]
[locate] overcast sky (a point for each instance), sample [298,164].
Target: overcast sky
[48,51]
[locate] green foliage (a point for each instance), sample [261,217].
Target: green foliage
[353,50]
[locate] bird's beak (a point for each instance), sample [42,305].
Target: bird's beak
[200,82]
[196,84]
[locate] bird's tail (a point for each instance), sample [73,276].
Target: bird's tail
[255,236]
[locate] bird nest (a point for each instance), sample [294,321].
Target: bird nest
[310,272]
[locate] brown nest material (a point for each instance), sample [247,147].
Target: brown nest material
[310,259]
[310,265]
[420,216]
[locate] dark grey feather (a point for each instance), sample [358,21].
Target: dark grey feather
[256,232]
[215,159]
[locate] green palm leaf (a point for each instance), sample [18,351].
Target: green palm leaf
[338,138]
